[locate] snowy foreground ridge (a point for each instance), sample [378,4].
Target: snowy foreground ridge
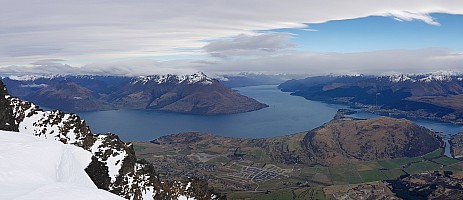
[36,168]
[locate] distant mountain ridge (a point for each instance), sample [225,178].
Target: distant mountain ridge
[433,95]
[253,79]
[194,94]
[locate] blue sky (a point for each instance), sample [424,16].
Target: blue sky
[380,33]
[143,37]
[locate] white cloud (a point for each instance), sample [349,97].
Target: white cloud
[409,16]
[249,44]
[309,29]
[51,61]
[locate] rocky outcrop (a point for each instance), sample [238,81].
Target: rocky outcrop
[7,121]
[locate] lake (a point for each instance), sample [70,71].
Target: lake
[285,115]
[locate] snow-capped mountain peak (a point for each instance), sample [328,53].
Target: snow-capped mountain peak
[439,76]
[431,78]
[396,78]
[199,77]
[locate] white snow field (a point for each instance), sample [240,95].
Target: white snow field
[36,168]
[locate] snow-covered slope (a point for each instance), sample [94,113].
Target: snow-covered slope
[36,168]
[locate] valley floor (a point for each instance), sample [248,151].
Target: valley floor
[246,172]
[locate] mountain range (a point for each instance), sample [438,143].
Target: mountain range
[194,94]
[436,96]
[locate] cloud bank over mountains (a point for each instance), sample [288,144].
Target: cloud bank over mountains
[122,37]
[310,63]
[249,45]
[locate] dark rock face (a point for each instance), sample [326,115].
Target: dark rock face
[7,121]
[98,172]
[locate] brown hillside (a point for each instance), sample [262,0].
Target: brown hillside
[380,138]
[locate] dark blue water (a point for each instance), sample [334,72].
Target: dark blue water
[286,115]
